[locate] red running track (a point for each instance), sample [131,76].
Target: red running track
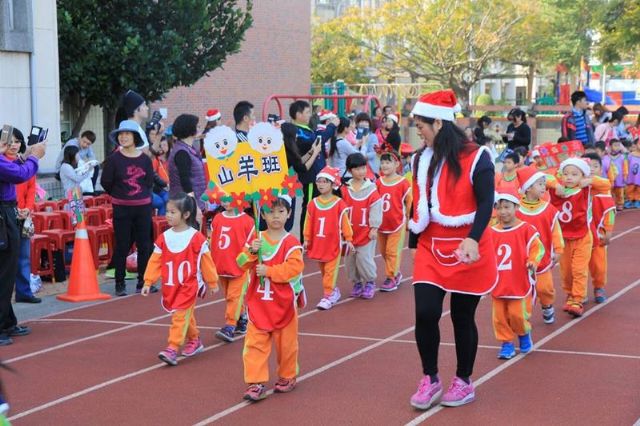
[359,364]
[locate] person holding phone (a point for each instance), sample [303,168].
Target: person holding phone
[85,154]
[368,141]
[11,174]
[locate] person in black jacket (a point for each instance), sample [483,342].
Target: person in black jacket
[519,133]
[483,123]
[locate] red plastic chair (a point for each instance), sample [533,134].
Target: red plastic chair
[99,235]
[47,220]
[89,201]
[59,239]
[41,242]
[160,225]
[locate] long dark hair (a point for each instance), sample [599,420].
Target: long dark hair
[342,126]
[186,203]
[289,135]
[447,145]
[69,155]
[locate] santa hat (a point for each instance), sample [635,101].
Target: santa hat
[326,114]
[406,149]
[441,104]
[582,165]
[393,117]
[507,195]
[213,115]
[330,173]
[528,176]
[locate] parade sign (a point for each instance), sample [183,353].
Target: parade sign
[554,154]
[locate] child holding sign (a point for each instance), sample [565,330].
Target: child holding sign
[276,265]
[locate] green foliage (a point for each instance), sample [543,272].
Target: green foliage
[107,47]
[620,31]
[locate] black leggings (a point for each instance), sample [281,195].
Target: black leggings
[429,300]
[131,222]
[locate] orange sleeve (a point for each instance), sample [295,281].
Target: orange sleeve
[154,269]
[556,238]
[600,185]
[208,269]
[308,221]
[609,220]
[536,251]
[285,272]
[246,260]
[347,230]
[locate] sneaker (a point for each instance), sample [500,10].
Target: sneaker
[357,290]
[169,355]
[284,385]
[600,295]
[369,290]
[192,347]
[17,330]
[324,304]
[5,340]
[507,351]
[548,314]
[459,393]
[121,290]
[335,296]
[427,394]
[636,204]
[526,344]
[628,205]
[226,333]
[255,392]
[4,406]
[576,309]
[390,284]
[398,278]
[567,304]
[241,326]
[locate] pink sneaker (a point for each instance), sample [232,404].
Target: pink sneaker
[389,285]
[357,290]
[427,394]
[169,355]
[192,347]
[369,290]
[459,393]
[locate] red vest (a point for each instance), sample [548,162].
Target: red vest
[393,197]
[574,214]
[181,275]
[326,229]
[512,250]
[602,204]
[272,307]
[229,235]
[359,213]
[543,220]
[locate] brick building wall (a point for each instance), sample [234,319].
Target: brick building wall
[275,57]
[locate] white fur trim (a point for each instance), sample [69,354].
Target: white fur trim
[327,176]
[475,161]
[451,221]
[531,181]
[508,197]
[393,117]
[434,111]
[421,181]
[576,162]
[214,117]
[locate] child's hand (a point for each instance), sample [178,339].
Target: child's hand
[261,270]
[256,245]
[350,247]
[585,182]
[373,234]
[214,290]
[560,190]
[555,258]
[145,291]
[531,267]
[605,238]
[305,246]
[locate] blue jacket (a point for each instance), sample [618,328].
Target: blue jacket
[305,139]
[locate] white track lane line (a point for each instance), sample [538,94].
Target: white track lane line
[536,346]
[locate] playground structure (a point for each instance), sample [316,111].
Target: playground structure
[339,104]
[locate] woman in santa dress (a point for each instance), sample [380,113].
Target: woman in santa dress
[453,188]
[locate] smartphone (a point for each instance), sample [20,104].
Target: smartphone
[7,132]
[38,134]
[318,140]
[361,132]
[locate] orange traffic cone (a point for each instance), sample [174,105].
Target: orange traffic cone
[83,279]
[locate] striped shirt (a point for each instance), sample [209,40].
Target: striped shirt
[580,118]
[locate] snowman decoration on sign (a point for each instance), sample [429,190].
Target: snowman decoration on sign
[220,142]
[265,138]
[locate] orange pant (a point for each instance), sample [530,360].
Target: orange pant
[391,246]
[510,318]
[183,324]
[329,271]
[633,192]
[545,291]
[598,266]
[234,290]
[574,267]
[257,348]
[618,195]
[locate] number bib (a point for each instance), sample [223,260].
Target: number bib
[393,197]
[325,221]
[360,206]
[512,250]
[180,253]
[229,234]
[573,213]
[272,306]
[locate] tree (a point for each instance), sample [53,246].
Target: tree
[620,32]
[107,47]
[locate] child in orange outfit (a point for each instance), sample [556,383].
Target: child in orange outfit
[231,231]
[544,217]
[603,211]
[395,192]
[275,261]
[519,251]
[181,257]
[507,180]
[572,199]
[326,227]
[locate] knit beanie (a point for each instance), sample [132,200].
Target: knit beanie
[131,101]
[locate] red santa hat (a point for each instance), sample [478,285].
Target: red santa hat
[393,117]
[213,115]
[582,165]
[507,194]
[332,174]
[441,104]
[527,176]
[326,114]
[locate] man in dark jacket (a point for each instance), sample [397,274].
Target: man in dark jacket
[576,124]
